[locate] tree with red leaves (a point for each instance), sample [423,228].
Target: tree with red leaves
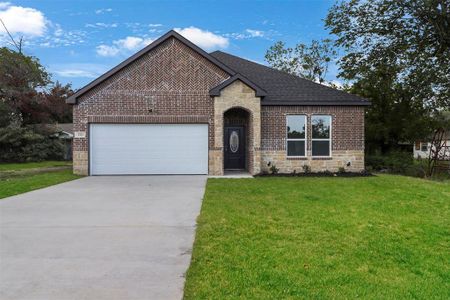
[27,93]
[54,104]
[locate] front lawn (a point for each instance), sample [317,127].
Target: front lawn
[276,238]
[17,184]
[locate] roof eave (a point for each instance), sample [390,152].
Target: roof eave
[67,133]
[259,92]
[315,103]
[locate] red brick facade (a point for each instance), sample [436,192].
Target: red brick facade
[171,84]
[168,85]
[347,125]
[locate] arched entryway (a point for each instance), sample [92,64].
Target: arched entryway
[236,105]
[237,139]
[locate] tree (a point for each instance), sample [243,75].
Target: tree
[29,143]
[54,104]
[27,99]
[396,54]
[6,115]
[307,61]
[26,89]
[392,117]
[21,79]
[414,35]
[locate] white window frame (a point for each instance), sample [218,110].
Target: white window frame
[290,139]
[424,144]
[330,139]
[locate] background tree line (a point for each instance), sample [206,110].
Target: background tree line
[29,103]
[395,53]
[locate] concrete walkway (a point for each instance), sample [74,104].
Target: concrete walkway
[115,237]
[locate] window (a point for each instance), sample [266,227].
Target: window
[424,147]
[417,145]
[321,135]
[296,135]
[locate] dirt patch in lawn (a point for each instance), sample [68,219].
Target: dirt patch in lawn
[15,173]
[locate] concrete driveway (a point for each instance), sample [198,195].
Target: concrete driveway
[114,237]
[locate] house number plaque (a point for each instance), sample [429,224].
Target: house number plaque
[80,134]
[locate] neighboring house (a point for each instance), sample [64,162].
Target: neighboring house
[172,108]
[422,148]
[64,131]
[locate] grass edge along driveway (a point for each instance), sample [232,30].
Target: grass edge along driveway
[276,238]
[15,178]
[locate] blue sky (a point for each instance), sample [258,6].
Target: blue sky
[79,40]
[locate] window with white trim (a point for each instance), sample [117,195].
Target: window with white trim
[424,147]
[296,135]
[321,136]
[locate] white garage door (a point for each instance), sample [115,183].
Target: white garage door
[148,149]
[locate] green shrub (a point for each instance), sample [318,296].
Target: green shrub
[375,162]
[274,169]
[398,163]
[25,144]
[416,171]
[306,169]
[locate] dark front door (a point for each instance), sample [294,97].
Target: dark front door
[234,143]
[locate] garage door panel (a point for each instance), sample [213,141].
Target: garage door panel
[149,149]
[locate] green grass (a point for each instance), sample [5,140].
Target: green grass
[20,184]
[32,165]
[384,237]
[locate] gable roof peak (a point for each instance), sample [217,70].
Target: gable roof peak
[259,92]
[170,34]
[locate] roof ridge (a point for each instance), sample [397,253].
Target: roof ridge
[284,72]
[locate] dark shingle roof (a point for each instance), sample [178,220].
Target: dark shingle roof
[66,127]
[275,87]
[286,89]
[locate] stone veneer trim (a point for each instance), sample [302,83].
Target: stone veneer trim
[237,95]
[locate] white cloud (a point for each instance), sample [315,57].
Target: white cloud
[75,73]
[123,46]
[103,10]
[155,25]
[58,30]
[101,25]
[133,24]
[335,84]
[236,36]
[255,33]
[252,33]
[36,28]
[57,37]
[4,5]
[24,20]
[78,70]
[203,38]
[132,43]
[105,50]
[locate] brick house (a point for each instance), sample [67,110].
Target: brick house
[172,108]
